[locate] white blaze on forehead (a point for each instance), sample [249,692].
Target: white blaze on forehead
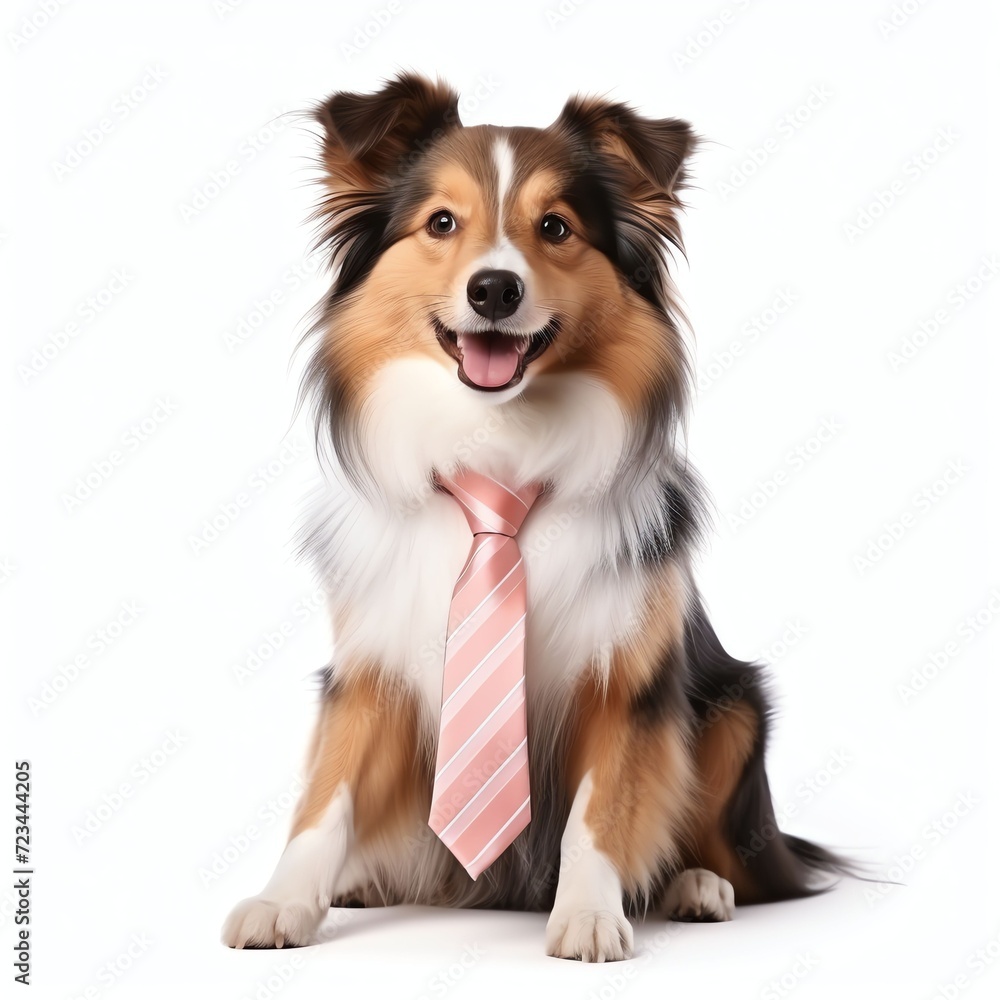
[503,157]
[503,255]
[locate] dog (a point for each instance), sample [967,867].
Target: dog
[502,314]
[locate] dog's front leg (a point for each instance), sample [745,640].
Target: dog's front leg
[588,920]
[361,766]
[632,779]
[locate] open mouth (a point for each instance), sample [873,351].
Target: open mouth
[492,360]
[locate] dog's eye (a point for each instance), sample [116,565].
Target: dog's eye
[554,229]
[441,224]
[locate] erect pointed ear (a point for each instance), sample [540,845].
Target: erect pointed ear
[371,139]
[655,150]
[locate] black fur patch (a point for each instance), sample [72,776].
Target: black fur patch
[363,237]
[596,193]
[590,195]
[663,696]
[676,530]
[676,525]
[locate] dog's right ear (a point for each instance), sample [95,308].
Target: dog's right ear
[370,140]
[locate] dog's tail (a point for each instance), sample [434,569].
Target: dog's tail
[780,865]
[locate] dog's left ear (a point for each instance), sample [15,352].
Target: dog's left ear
[643,160]
[654,150]
[370,140]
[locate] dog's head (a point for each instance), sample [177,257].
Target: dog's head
[504,257]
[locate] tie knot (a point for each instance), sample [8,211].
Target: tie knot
[490,506]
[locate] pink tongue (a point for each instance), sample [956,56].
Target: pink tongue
[488,359]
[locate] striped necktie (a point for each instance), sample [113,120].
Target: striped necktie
[480,801]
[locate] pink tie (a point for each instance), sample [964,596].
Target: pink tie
[481,792]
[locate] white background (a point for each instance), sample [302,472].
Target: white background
[860,759]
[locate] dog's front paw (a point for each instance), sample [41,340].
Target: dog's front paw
[589,935]
[263,923]
[700,895]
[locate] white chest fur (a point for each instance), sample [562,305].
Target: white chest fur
[391,567]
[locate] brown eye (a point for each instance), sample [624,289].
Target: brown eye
[441,224]
[554,229]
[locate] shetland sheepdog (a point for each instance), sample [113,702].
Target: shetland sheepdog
[501,303]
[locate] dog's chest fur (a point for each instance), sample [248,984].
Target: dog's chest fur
[391,568]
[392,586]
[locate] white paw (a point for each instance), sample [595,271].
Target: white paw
[589,935]
[263,923]
[700,895]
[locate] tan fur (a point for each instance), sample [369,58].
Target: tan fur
[723,748]
[623,343]
[367,738]
[642,770]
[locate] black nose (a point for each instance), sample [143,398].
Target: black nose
[495,294]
